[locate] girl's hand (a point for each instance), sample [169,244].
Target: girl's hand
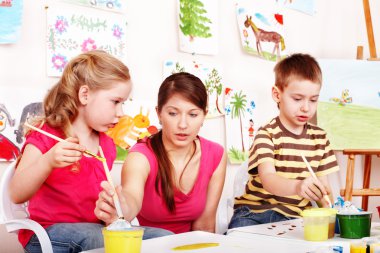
[105,209]
[65,153]
[311,189]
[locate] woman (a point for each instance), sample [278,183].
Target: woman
[174,179]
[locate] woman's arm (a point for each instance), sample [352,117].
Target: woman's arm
[134,174]
[206,222]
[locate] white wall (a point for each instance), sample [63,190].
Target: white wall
[334,32]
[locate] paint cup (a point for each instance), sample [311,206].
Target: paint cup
[358,247]
[355,226]
[122,241]
[332,221]
[316,224]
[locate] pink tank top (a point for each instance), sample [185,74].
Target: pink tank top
[189,207]
[66,195]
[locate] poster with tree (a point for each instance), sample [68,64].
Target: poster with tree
[210,77]
[198,26]
[240,124]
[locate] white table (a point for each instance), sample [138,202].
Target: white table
[292,232]
[232,243]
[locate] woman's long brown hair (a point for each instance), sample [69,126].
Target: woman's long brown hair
[192,89]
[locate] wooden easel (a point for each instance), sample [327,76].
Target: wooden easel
[371,38]
[364,192]
[348,192]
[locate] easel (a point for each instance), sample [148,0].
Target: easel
[371,38]
[365,192]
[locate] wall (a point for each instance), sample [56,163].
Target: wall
[334,32]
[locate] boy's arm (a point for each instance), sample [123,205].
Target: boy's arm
[308,188]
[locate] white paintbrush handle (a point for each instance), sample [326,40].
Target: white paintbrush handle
[109,179]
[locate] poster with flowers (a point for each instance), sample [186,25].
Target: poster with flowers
[73,29]
[261,29]
[109,5]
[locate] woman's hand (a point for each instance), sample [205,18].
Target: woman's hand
[105,209]
[65,153]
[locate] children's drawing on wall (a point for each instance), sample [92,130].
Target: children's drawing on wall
[349,107]
[8,150]
[17,104]
[261,29]
[304,6]
[239,124]
[140,121]
[73,29]
[10,20]
[110,5]
[198,26]
[210,77]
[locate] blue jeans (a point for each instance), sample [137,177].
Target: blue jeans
[244,217]
[77,237]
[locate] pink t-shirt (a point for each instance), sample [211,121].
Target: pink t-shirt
[189,207]
[67,196]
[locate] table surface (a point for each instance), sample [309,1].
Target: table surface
[248,239]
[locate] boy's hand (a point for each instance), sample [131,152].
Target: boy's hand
[311,189]
[65,153]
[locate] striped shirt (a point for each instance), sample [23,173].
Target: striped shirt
[275,144]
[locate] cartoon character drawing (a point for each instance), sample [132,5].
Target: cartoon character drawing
[129,130]
[8,150]
[251,132]
[344,99]
[30,110]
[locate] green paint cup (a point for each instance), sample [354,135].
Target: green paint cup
[355,226]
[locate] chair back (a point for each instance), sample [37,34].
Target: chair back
[8,209]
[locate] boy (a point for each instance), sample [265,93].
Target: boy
[280,185]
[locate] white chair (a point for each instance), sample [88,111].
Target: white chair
[226,205]
[10,213]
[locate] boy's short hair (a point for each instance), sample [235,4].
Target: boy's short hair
[297,66]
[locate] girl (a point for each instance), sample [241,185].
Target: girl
[60,183]
[174,179]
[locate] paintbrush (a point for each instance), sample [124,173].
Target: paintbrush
[61,140]
[110,181]
[315,176]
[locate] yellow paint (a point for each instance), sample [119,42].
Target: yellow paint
[196,246]
[316,232]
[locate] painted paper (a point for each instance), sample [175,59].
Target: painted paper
[10,20]
[108,5]
[198,26]
[210,77]
[261,29]
[304,6]
[349,104]
[140,121]
[72,30]
[240,124]
[16,105]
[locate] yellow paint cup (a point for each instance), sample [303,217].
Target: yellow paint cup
[122,241]
[316,224]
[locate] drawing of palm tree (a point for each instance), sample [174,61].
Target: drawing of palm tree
[193,21]
[238,102]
